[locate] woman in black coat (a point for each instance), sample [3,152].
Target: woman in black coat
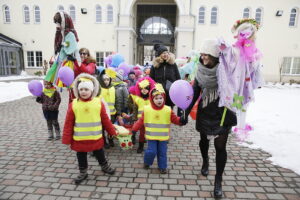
[209,114]
[164,69]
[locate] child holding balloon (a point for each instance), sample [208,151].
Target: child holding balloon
[50,100]
[157,118]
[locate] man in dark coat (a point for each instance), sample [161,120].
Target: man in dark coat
[164,69]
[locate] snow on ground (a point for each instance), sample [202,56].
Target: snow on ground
[23,75]
[274,116]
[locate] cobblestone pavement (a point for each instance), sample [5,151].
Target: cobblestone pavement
[33,168]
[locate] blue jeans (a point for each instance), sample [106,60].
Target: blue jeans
[158,148]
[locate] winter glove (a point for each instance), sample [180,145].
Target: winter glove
[71,58]
[38,99]
[183,120]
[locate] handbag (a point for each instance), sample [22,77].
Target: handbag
[168,85]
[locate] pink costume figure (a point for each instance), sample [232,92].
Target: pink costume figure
[239,71]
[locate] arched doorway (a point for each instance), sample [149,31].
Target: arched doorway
[154,24]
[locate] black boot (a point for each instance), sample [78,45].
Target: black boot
[50,135]
[205,164]
[133,140]
[218,187]
[140,148]
[82,176]
[107,169]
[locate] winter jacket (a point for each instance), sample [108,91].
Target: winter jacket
[122,94]
[208,119]
[161,71]
[87,66]
[48,103]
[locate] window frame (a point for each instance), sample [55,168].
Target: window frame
[291,67]
[100,60]
[24,14]
[211,15]
[34,59]
[201,12]
[109,8]
[40,57]
[96,10]
[6,14]
[295,17]
[35,15]
[249,13]
[31,61]
[260,22]
[72,17]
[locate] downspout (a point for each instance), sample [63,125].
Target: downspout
[194,33]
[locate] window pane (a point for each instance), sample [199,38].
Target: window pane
[109,13]
[258,15]
[37,15]
[214,13]
[99,58]
[13,58]
[201,15]
[39,58]
[60,8]
[26,15]
[30,58]
[98,14]
[246,13]
[7,14]
[73,13]
[296,66]
[293,17]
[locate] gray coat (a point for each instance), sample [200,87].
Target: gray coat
[121,103]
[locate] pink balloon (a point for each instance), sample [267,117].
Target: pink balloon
[66,75]
[181,93]
[35,87]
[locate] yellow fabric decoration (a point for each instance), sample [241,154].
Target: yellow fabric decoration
[143,84]
[111,73]
[49,92]
[158,89]
[84,79]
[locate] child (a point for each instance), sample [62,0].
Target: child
[157,118]
[139,98]
[50,100]
[108,93]
[86,117]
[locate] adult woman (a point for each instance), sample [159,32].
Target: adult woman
[88,64]
[209,114]
[164,69]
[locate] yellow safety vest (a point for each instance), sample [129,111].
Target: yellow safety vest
[109,95]
[140,102]
[87,120]
[157,123]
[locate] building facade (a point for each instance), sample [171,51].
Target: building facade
[131,27]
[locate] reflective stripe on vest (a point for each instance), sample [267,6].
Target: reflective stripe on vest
[157,123]
[140,102]
[87,120]
[109,95]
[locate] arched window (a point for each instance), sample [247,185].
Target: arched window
[72,13]
[110,14]
[293,17]
[98,14]
[201,19]
[157,25]
[214,15]
[60,8]
[246,13]
[258,15]
[26,14]
[6,14]
[37,14]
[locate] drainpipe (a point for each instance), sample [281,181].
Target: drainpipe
[195,23]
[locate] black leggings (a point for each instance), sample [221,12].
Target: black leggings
[82,158]
[221,153]
[53,123]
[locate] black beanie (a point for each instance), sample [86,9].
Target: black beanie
[159,49]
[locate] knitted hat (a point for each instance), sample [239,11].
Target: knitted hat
[86,84]
[85,80]
[159,49]
[210,47]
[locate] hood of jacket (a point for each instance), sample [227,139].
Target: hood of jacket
[135,90]
[158,60]
[100,79]
[151,100]
[92,78]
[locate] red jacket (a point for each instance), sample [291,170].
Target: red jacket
[85,67]
[87,145]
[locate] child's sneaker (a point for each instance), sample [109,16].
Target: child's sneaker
[82,176]
[163,171]
[107,169]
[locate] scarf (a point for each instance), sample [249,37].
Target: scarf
[49,92]
[207,81]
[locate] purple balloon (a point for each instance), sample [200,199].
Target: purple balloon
[66,75]
[181,93]
[123,69]
[35,87]
[108,60]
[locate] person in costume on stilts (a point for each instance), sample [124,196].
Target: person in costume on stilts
[85,119]
[108,94]
[157,118]
[50,100]
[139,97]
[209,115]
[240,71]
